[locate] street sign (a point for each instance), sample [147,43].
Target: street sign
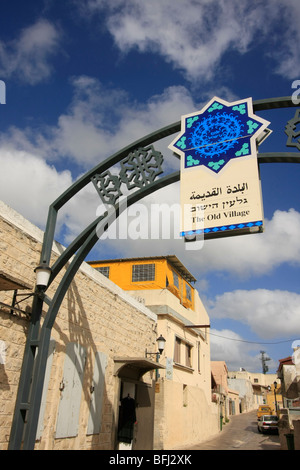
[220,187]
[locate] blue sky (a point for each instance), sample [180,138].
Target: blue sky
[86,78]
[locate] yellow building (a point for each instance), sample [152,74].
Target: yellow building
[161,272]
[184,412]
[274,397]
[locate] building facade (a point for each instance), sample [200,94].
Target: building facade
[226,397]
[102,360]
[96,356]
[184,411]
[254,388]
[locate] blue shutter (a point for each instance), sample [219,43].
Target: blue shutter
[94,423]
[45,389]
[69,407]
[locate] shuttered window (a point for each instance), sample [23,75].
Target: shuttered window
[183,353]
[71,390]
[97,394]
[40,427]
[177,350]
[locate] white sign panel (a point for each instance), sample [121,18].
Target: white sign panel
[220,186]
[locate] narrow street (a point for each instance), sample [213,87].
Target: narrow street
[240,434]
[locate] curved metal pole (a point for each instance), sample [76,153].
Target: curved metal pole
[87,245]
[271,157]
[278,157]
[35,368]
[258,105]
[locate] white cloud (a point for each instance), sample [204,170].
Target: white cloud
[255,254]
[29,185]
[269,313]
[27,56]
[228,346]
[101,121]
[287,53]
[194,35]
[245,256]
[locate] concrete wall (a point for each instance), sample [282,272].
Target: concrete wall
[244,387]
[184,412]
[95,314]
[254,377]
[183,416]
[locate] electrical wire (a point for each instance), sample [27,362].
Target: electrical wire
[252,342]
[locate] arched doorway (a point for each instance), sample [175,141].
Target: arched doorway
[136,403]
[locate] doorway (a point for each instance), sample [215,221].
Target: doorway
[136,416]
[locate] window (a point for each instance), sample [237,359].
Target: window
[182,353]
[199,357]
[175,279]
[143,272]
[188,355]
[67,424]
[185,395]
[104,270]
[177,350]
[188,291]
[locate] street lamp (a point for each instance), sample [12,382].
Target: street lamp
[161,346]
[42,272]
[275,387]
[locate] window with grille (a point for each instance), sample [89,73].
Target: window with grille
[188,291]
[175,279]
[104,270]
[143,272]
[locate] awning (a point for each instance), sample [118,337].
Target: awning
[134,367]
[8,282]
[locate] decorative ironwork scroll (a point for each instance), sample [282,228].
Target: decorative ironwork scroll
[139,169]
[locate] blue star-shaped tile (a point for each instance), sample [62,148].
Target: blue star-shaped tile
[221,131]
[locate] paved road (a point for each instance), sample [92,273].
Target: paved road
[241,434]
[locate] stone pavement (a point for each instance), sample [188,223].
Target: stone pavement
[240,434]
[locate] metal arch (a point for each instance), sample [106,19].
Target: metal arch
[272,157]
[86,240]
[33,368]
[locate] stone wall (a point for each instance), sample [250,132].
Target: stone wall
[183,416]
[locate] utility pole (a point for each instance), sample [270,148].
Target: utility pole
[264,359]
